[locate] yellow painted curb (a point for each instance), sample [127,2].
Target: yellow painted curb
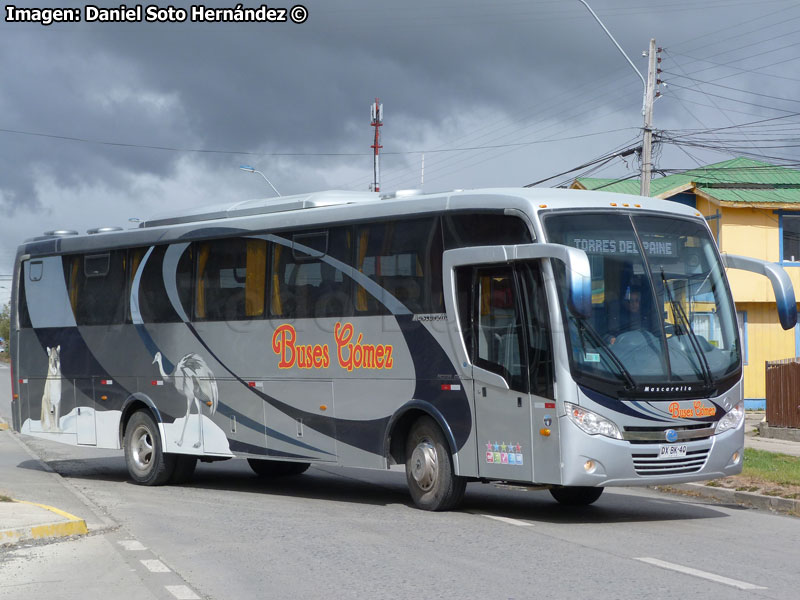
[3,426]
[73,526]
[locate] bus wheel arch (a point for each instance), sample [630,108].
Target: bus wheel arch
[400,426]
[135,402]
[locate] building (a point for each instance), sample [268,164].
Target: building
[753,209]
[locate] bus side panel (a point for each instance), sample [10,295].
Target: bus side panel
[47,398]
[364,404]
[466,457]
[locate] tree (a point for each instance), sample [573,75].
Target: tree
[5,322]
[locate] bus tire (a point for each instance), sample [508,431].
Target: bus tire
[576,495]
[276,468]
[429,468]
[184,469]
[147,464]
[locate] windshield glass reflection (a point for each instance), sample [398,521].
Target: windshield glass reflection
[661,310]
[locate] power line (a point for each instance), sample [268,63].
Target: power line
[300,154]
[727,87]
[604,159]
[683,87]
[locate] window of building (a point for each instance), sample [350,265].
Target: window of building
[790,242]
[741,320]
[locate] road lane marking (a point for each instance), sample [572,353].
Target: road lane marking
[182,592]
[132,545]
[155,566]
[506,520]
[742,585]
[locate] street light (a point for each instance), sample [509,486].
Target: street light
[250,169]
[608,33]
[647,108]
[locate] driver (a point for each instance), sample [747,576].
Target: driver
[630,313]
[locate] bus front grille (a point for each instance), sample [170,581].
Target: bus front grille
[649,435]
[649,464]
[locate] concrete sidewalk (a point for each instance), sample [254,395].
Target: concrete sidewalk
[35,502]
[55,544]
[754,439]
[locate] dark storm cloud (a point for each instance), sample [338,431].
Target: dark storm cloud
[289,88]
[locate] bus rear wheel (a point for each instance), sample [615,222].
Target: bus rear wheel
[429,468]
[576,495]
[276,468]
[147,463]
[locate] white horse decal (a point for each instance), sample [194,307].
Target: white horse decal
[51,398]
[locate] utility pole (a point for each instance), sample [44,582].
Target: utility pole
[376,111]
[647,129]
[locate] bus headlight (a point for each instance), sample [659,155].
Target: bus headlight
[592,423]
[732,419]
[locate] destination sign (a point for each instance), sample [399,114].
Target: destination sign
[619,246]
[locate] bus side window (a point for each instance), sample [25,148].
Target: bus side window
[464,295]
[184,278]
[154,304]
[404,257]
[94,282]
[537,317]
[306,282]
[230,279]
[483,229]
[498,326]
[23,316]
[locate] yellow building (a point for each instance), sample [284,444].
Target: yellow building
[753,209]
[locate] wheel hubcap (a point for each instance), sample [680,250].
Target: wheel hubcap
[142,448]
[424,465]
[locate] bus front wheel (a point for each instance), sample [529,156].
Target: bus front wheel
[576,495]
[147,464]
[429,468]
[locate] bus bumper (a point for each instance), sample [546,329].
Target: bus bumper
[601,461]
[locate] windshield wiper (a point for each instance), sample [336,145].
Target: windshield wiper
[677,309]
[585,328]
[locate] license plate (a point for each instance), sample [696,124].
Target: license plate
[672,451]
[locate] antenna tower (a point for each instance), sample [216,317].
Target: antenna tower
[376,111]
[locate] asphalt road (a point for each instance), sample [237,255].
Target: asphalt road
[347,533]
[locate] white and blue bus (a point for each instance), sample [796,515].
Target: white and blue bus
[560,339]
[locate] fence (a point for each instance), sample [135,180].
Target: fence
[783,393]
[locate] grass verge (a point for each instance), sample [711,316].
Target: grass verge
[781,469]
[766,473]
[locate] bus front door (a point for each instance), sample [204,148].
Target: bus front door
[500,375]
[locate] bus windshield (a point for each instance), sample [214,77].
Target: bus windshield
[662,318]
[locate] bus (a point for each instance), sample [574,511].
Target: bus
[556,339]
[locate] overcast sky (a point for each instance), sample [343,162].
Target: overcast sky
[103,122]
